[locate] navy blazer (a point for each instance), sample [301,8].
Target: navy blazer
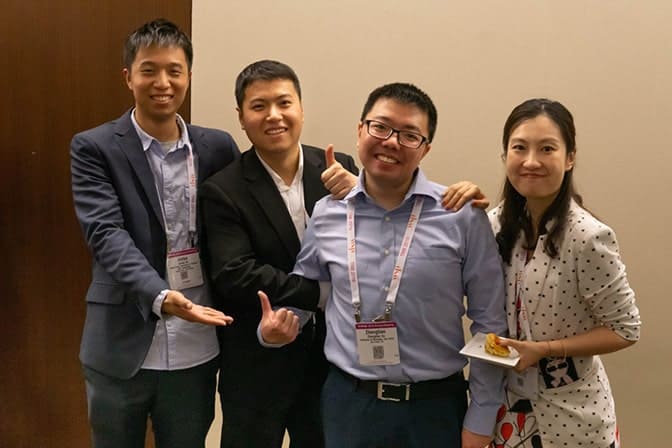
[118,208]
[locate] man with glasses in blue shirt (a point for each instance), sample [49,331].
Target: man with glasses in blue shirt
[400,267]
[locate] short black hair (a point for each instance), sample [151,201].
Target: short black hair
[159,32]
[407,94]
[265,70]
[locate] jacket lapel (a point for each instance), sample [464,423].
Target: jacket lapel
[313,189]
[264,191]
[534,276]
[130,144]
[202,162]
[199,146]
[536,273]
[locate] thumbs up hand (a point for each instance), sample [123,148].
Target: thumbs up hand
[329,155]
[277,327]
[335,178]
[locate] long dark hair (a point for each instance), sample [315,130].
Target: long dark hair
[514,217]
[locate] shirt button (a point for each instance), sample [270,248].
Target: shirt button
[386,252]
[387,218]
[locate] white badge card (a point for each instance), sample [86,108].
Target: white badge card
[525,384]
[377,343]
[184,269]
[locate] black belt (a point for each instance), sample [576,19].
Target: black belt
[422,390]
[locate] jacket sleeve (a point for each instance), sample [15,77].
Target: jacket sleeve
[603,283]
[99,212]
[234,266]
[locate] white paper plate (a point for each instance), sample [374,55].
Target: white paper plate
[475,348]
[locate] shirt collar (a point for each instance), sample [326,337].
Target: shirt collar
[276,177]
[147,139]
[420,186]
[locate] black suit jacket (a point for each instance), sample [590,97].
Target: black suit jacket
[252,246]
[252,243]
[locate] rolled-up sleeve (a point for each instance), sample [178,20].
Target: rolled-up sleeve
[604,286]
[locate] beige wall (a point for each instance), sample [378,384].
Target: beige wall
[609,61]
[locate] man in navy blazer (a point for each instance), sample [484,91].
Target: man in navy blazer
[149,346]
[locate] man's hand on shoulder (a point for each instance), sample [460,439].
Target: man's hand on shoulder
[459,193]
[335,178]
[177,304]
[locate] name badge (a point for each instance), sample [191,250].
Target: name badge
[377,343]
[525,384]
[184,269]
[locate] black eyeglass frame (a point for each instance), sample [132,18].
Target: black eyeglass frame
[423,139]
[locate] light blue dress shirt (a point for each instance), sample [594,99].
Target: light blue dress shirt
[177,343]
[452,255]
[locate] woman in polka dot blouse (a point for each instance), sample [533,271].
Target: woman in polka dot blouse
[568,298]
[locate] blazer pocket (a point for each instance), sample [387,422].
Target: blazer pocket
[108,293]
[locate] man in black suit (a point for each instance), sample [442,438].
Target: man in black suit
[149,347]
[255,212]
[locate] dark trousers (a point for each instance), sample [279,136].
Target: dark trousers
[180,404]
[356,418]
[265,391]
[256,427]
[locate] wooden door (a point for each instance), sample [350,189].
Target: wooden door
[61,73]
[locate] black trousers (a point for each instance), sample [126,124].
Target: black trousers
[356,418]
[265,391]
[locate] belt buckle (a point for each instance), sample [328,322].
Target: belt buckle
[381,391]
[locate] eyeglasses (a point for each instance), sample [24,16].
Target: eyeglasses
[408,139]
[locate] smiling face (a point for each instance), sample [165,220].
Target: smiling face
[386,163]
[536,160]
[271,114]
[159,79]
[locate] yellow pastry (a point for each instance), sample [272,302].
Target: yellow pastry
[492,346]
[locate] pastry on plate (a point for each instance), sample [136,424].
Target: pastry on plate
[493,347]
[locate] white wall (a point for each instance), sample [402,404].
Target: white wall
[608,61]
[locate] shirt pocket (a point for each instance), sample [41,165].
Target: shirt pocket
[433,272]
